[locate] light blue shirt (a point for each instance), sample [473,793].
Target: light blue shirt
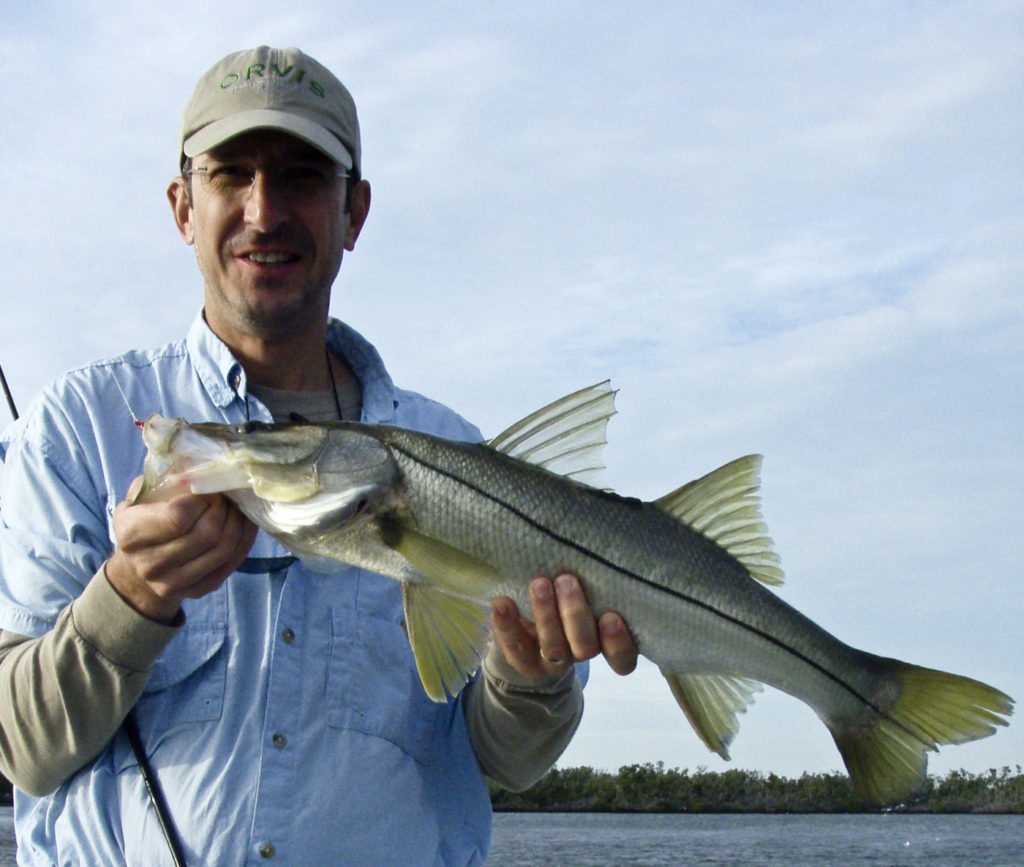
[286,718]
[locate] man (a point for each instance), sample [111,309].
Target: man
[280,709]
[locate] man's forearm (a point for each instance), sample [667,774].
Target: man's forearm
[519,728]
[62,696]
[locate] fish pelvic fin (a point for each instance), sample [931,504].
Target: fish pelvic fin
[448,636]
[886,759]
[725,507]
[448,616]
[712,703]
[566,437]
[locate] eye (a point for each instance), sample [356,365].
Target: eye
[229,176]
[304,178]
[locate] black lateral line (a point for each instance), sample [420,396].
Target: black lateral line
[771,639]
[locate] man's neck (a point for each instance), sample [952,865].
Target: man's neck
[296,363]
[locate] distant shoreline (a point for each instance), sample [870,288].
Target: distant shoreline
[650,788]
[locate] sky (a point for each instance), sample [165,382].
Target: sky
[792,228]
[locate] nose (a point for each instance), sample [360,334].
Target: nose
[266,204]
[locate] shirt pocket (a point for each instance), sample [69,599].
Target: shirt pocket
[373,686]
[188,680]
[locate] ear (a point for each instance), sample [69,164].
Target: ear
[357,212]
[181,208]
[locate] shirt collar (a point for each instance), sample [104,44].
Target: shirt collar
[224,379]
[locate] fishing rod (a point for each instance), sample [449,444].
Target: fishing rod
[7,394]
[131,730]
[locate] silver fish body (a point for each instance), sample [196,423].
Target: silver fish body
[460,524]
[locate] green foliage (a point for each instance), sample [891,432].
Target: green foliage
[651,788]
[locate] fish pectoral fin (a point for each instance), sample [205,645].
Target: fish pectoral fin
[724,506]
[711,703]
[450,569]
[566,437]
[448,636]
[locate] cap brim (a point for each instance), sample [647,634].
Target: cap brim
[215,134]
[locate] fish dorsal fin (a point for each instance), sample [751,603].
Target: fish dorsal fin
[447,620]
[711,703]
[724,506]
[566,437]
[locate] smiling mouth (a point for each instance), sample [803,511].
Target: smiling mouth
[271,258]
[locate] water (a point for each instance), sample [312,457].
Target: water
[602,839]
[526,839]
[6,837]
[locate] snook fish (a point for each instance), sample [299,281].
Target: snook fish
[459,524]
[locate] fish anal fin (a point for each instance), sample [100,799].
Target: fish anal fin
[725,507]
[711,703]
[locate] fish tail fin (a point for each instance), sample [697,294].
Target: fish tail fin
[886,757]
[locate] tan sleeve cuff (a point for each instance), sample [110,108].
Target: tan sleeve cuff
[498,670]
[103,619]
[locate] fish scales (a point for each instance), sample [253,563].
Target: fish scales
[631,558]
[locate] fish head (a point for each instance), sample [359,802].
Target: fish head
[287,477]
[278,462]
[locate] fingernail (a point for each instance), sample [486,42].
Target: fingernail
[565,584]
[611,625]
[541,589]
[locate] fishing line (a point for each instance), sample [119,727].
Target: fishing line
[130,727]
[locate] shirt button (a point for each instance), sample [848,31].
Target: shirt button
[279,741]
[288,636]
[267,850]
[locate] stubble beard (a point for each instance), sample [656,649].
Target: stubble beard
[285,319]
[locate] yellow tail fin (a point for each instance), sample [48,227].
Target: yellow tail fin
[887,761]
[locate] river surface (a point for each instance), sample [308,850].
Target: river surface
[580,840]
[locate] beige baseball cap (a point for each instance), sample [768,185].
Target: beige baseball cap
[272,88]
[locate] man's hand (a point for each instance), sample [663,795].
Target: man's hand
[179,548]
[564,630]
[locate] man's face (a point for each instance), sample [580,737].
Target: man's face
[268,250]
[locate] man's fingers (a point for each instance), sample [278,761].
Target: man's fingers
[222,538]
[516,638]
[577,619]
[617,644]
[176,549]
[552,642]
[563,630]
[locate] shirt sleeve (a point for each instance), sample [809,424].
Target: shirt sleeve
[519,727]
[63,695]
